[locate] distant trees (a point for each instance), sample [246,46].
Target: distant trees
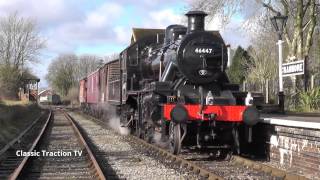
[61,73]
[238,70]
[20,44]
[66,70]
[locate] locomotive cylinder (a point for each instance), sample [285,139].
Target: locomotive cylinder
[196,21]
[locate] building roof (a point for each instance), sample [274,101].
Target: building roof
[139,33]
[46,92]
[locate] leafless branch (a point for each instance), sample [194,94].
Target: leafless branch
[20,41]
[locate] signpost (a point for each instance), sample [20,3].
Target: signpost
[279,23]
[293,68]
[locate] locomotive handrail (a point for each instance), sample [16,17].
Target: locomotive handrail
[163,47]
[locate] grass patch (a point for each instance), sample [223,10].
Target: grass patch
[13,103]
[14,118]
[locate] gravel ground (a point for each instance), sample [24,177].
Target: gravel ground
[121,160]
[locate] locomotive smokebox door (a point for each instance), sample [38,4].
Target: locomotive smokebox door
[200,57]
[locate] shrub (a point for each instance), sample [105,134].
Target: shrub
[10,81]
[72,97]
[309,100]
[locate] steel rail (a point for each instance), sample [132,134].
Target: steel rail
[83,142]
[18,170]
[237,160]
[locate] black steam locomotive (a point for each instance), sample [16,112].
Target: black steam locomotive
[174,83]
[179,87]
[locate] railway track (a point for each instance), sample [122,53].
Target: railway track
[211,167]
[204,166]
[120,160]
[58,152]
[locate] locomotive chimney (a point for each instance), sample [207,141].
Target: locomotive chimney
[195,21]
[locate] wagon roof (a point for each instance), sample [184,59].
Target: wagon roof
[139,33]
[94,72]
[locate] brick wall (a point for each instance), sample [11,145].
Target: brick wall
[295,149]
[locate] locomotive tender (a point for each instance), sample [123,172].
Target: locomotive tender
[174,82]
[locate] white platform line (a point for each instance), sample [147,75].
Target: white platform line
[291,123]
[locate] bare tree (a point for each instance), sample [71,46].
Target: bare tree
[299,32]
[263,68]
[61,73]
[66,70]
[315,63]
[20,41]
[111,57]
[87,64]
[224,9]
[302,17]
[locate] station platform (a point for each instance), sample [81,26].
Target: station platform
[311,121]
[291,141]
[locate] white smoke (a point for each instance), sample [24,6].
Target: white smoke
[157,140]
[108,114]
[114,123]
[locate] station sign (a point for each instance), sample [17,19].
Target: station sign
[293,68]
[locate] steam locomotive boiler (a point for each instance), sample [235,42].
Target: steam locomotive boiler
[174,83]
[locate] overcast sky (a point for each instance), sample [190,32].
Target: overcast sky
[102,27]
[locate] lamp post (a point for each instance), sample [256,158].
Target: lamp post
[279,22]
